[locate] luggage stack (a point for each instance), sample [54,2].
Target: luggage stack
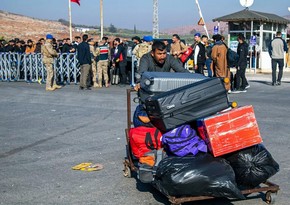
[209,148]
[187,103]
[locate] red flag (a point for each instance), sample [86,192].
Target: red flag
[76,1]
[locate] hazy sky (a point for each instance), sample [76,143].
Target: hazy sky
[127,13]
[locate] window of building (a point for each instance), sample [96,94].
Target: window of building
[267,37]
[267,26]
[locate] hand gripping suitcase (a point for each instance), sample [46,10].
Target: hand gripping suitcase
[153,83]
[186,104]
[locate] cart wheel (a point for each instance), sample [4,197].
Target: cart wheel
[127,172]
[271,197]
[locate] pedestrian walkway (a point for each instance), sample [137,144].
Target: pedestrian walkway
[250,75]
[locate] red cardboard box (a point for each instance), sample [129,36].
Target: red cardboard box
[230,131]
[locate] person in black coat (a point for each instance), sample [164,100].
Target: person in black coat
[84,58]
[10,46]
[17,48]
[67,47]
[243,49]
[120,61]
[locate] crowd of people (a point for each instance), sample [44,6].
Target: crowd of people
[98,59]
[29,47]
[207,54]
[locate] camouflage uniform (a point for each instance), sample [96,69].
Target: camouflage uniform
[49,53]
[140,50]
[103,52]
[94,65]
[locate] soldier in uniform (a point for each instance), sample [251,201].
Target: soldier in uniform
[49,53]
[142,48]
[104,55]
[94,64]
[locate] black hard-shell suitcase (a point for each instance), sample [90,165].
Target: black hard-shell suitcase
[186,104]
[153,83]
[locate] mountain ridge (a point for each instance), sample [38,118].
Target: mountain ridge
[24,27]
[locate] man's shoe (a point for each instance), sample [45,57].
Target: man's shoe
[229,91]
[50,89]
[57,86]
[278,83]
[96,85]
[81,88]
[274,84]
[247,87]
[88,88]
[239,91]
[235,91]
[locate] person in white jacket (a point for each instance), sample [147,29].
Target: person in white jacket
[277,49]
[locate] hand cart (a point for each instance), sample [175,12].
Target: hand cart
[131,165]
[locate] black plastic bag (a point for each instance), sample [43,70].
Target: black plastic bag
[200,175]
[252,166]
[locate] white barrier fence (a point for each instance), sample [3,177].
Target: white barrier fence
[29,67]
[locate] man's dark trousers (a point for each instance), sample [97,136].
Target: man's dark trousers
[85,73]
[123,75]
[280,63]
[241,75]
[200,68]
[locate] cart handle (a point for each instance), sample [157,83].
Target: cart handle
[129,117]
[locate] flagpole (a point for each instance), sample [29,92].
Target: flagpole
[69,13]
[102,19]
[200,14]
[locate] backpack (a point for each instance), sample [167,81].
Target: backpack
[232,58]
[144,139]
[140,117]
[143,49]
[182,141]
[148,165]
[186,55]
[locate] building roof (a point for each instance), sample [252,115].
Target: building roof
[249,15]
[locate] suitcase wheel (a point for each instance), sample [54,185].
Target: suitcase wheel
[234,104]
[136,100]
[271,197]
[226,80]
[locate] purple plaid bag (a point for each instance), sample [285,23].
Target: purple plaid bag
[182,141]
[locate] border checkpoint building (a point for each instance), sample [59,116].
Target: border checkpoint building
[259,29]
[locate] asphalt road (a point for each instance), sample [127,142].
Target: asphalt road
[44,134]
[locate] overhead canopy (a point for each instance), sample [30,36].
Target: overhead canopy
[248,15]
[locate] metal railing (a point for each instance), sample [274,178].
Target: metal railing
[30,68]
